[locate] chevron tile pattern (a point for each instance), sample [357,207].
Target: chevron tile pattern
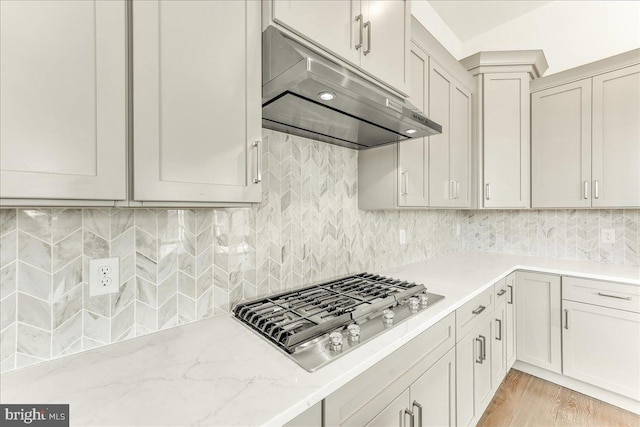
[181,265]
[563,233]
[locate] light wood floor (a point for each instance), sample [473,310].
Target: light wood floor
[524,400]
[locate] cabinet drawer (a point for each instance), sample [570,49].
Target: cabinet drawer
[501,291]
[606,294]
[386,380]
[472,313]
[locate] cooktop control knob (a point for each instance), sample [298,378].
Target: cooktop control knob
[335,339]
[354,332]
[424,299]
[414,303]
[387,316]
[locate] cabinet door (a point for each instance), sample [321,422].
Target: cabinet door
[473,374]
[312,417]
[538,320]
[197,103]
[483,391]
[460,148]
[435,392]
[386,41]
[62,100]
[440,85]
[413,161]
[561,146]
[312,19]
[393,414]
[616,138]
[601,346]
[498,345]
[510,323]
[506,140]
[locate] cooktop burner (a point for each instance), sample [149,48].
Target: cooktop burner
[309,324]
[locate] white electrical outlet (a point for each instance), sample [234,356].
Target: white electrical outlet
[104,276]
[607,235]
[403,237]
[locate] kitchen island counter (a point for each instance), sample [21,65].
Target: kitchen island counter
[217,372]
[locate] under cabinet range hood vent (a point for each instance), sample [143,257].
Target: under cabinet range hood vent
[306,94]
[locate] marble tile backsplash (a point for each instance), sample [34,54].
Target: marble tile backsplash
[182,265]
[563,233]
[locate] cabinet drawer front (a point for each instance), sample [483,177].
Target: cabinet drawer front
[472,313]
[501,291]
[606,294]
[383,382]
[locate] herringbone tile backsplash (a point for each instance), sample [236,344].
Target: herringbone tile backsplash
[182,265]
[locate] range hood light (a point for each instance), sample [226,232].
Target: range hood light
[327,96]
[410,131]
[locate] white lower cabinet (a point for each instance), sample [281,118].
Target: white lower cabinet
[473,375]
[498,345]
[510,325]
[312,417]
[415,385]
[538,320]
[435,394]
[601,346]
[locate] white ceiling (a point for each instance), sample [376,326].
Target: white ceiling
[470,18]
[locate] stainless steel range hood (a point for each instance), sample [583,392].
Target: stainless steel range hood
[296,85]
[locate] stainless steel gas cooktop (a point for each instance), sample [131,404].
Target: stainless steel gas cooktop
[317,324]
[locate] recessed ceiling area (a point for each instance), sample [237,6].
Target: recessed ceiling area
[467,19]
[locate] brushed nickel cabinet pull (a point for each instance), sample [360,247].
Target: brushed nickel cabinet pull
[499,323]
[419,407]
[586,190]
[502,292]
[510,294]
[367,25]
[479,310]
[596,190]
[258,177]
[479,359]
[488,192]
[566,318]
[361,31]
[484,347]
[614,296]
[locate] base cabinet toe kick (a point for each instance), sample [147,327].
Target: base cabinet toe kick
[579,333]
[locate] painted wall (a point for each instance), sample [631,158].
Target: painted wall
[571,33]
[430,19]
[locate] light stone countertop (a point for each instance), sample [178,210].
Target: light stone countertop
[217,372]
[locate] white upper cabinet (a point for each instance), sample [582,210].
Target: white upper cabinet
[561,146]
[585,135]
[440,89]
[425,172]
[413,160]
[62,101]
[369,34]
[311,20]
[197,101]
[386,41]
[616,138]
[502,125]
[506,140]
[449,152]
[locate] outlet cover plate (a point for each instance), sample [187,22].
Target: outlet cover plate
[607,235]
[104,281]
